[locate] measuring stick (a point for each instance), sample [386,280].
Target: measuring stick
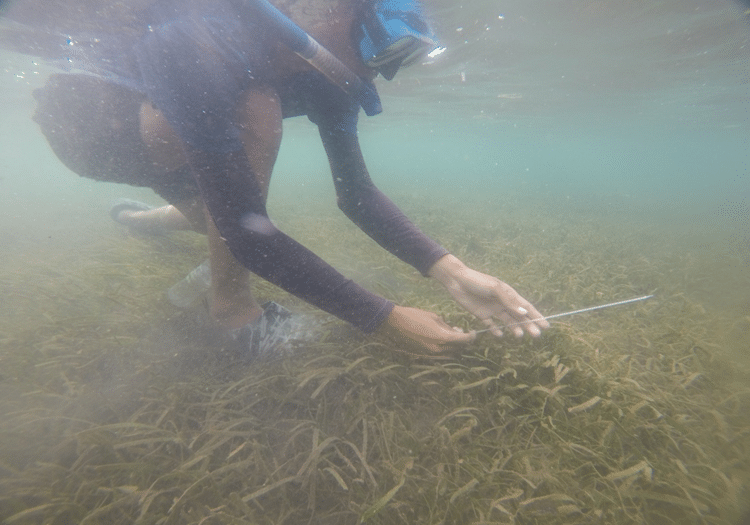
[582,310]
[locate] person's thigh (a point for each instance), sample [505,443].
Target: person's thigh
[95,128]
[92,125]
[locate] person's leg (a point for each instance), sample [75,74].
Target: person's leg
[232,303]
[260,126]
[147,219]
[167,156]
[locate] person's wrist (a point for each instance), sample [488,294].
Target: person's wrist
[389,322]
[446,269]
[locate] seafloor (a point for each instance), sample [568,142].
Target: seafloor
[114,411]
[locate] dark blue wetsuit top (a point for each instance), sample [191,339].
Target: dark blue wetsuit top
[194,61]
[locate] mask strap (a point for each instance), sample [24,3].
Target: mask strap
[320,58]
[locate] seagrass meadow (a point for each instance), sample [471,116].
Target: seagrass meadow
[116,410]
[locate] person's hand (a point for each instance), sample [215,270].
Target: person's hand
[488,298]
[422,332]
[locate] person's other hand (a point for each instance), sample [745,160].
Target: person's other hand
[422,331]
[488,298]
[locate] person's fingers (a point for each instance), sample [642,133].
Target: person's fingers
[511,301]
[444,347]
[521,313]
[511,324]
[454,343]
[425,331]
[533,322]
[532,329]
[534,315]
[451,335]
[460,337]
[493,327]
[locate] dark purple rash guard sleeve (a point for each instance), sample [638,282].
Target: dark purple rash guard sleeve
[370,209]
[235,202]
[336,117]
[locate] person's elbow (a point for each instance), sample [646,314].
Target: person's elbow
[258,225]
[352,200]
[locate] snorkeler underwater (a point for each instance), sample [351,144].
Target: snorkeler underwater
[374,261]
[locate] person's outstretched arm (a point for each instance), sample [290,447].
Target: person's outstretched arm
[370,209]
[488,298]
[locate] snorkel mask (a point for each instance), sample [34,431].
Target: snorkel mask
[394,35]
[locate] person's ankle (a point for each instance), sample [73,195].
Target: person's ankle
[233,316]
